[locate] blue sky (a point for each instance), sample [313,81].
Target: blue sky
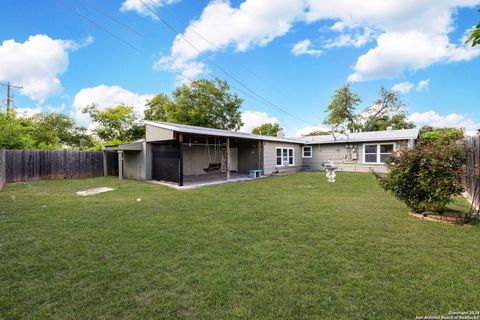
[294,53]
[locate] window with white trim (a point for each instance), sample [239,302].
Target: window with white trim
[306,151]
[285,157]
[377,153]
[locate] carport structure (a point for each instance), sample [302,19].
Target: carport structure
[200,158]
[186,156]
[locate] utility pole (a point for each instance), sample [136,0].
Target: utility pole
[9,93]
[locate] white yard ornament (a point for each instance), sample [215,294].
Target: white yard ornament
[330,169]
[93,191]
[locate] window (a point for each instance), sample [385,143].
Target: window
[385,151]
[306,151]
[377,153]
[285,157]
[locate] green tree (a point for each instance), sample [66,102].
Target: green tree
[158,108]
[387,111]
[115,125]
[474,35]
[202,103]
[267,129]
[341,110]
[430,134]
[58,131]
[14,132]
[317,133]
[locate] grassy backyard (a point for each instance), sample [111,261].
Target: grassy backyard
[282,247]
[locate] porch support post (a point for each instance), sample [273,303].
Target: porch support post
[259,150]
[228,158]
[105,171]
[120,164]
[180,173]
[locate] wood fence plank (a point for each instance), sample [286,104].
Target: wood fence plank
[472,175]
[27,165]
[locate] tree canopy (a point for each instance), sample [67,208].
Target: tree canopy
[267,129]
[430,134]
[43,131]
[389,110]
[13,133]
[204,103]
[474,35]
[341,110]
[57,131]
[317,133]
[115,125]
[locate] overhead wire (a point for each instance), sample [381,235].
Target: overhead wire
[262,99]
[143,52]
[237,61]
[110,17]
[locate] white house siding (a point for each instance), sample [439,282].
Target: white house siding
[195,158]
[135,163]
[338,154]
[147,154]
[270,157]
[157,134]
[132,165]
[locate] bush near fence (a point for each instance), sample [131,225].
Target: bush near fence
[28,165]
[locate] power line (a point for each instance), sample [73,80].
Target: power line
[264,101]
[133,46]
[104,29]
[102,12]
[164,8]
[233,57]
[141,51]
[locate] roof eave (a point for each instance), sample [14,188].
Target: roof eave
[227,134]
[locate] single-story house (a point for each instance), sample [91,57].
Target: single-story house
[189,155]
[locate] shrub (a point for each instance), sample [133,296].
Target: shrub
[426,176]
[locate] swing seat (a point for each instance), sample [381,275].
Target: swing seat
[213,167]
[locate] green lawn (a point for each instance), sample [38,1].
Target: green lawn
[276,248]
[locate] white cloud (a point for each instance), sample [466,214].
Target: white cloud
[187,68]
[27,112]
[76,45]
[406,87]
[345,40]
[403,87]
[253,23]
[253,119]
[304,47]
[410,34]
[309,129]
[413,34]
[423,85]
[398,52]
[138,7]
[37,64]
[107,96]
[450,120]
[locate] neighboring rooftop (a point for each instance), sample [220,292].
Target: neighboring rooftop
[386,135]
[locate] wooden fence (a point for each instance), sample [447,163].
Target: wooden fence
[3,171]
[27,165]
[472,175]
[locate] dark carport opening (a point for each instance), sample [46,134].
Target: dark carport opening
[199,159]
